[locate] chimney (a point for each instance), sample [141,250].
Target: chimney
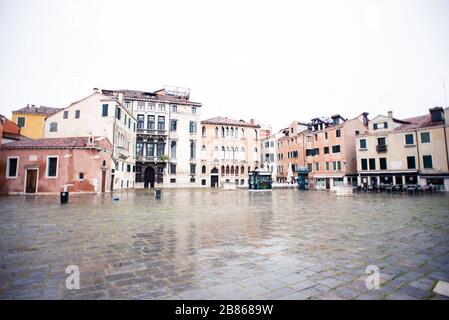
[96,90]
[251,121]
[390,114]
[436,114]
[33,106]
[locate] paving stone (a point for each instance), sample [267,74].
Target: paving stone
[194,241]
[442,288]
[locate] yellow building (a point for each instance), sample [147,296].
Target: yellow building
[31,120]
[413,151]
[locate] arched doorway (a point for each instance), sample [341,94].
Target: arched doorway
[214,178]
[149,178]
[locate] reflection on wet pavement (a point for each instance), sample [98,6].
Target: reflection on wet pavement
[209,244]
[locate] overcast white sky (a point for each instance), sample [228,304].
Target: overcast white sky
[275,61]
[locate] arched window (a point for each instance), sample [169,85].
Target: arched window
[242,170]
[236,170]
[223,153]
[243,133]
[255,131]
[173,150]
[232,170]
[139,147]
[232,132]
[203,152]
[236,132]
[243,155]
[249,169]
[203,131]
[216,131]
[228,153]
[222,131]
[216,153]
[203,169]
[227,170]
[232,153]
[222,170]
[227,132]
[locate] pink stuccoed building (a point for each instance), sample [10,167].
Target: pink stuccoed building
[45,166]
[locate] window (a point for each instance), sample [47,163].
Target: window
[11,170]
[357,132]
[326,150]
[362,143]
[118,112]
[409,139]
[192,169]
[161,123]
[128,168]
[140,105]
[173,168]
[381,141]
[139,148]
[192,127]
[425,137]
[173,125]
[325,135]
[336,149]
[383,163]
[161,106]
[216,132]
[81,176]
[21,122]
[411,163]
[192,180]
[174,108]
[372,164]
[173,149]
[140,121]
[65,115]
[203,169]
[309,167]
[77,114]
[338,133]
[327,166]
[160,149]
[52,167]
[203,182]
[339,165]
[127,105]
[375,126]
[192,150]
[150,149]
[334,165]
[317,166]
[194,110]
[364,164]
[151,122]
[151,106]
[427,160]
[53,127]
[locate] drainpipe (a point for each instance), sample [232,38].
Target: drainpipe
[445,143]
[419,158]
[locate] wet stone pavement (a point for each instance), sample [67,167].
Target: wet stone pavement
[209,244]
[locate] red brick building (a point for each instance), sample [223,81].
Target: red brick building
[45,166]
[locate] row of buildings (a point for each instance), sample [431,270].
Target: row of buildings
[359,151]
[118,139]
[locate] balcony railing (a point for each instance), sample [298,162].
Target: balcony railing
[152,131]
[381,148]
[151,158]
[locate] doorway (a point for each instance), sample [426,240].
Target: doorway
[31,181]
[112,182]
[149,178]
[214,178]
[328,184]
[103,181]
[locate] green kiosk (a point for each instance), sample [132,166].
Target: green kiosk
[260,180]
[303,178]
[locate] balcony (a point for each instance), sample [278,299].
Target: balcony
[381,148]
[153,132]
[151,158]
